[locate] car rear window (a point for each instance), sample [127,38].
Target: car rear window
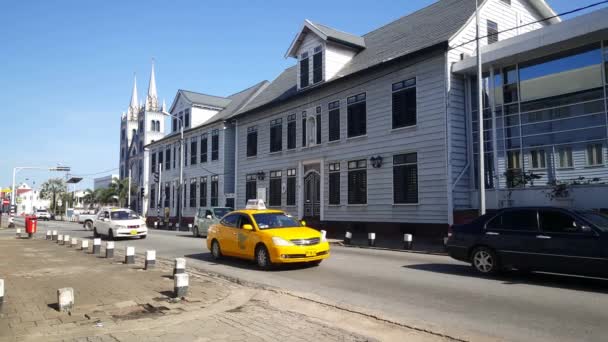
[524,220]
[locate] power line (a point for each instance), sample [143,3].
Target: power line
[534,22]
[96,173]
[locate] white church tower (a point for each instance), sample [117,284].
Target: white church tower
[141,125]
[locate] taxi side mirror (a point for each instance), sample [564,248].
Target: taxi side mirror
[303,222]
[247,227]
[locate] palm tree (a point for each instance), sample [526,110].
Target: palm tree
[119,188]
[52,189]
[88,198]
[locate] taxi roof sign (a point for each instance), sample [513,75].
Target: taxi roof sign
[256,204]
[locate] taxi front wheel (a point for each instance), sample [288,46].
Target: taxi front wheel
[262,257]
[216,252]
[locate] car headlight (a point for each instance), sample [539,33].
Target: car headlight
[278,241]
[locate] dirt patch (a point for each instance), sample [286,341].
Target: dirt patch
[139,311]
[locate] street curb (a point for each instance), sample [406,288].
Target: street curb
[342,244]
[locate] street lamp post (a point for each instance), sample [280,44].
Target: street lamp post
[181,165]
[19,168]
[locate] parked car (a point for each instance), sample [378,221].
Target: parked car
[266,236]
[115,223]
[206,217]
[43,214]
[534,239]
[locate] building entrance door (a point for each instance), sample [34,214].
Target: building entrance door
[312,194]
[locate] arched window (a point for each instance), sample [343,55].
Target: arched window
[157,125]
[311,131]
[153,125]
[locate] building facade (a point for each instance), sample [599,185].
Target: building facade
[103,182]
[140,125]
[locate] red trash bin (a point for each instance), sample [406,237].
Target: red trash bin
[31,223]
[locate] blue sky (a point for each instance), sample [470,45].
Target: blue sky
[66,66]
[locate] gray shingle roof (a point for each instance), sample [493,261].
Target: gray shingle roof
[340,37]
[424,28]
[204,99]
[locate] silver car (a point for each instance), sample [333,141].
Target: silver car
[206,217]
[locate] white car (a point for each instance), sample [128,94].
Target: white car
[116,223]
[43,214]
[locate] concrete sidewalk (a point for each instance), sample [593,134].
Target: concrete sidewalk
[117,302]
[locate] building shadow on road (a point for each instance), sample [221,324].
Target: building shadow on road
[562,281]
[244,264]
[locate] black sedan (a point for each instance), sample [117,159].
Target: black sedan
[534,239]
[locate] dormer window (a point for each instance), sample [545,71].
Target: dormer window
[304,70]
[317,65]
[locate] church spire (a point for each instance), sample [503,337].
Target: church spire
[152,99]
[133,106]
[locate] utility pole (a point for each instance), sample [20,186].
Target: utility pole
[482,182]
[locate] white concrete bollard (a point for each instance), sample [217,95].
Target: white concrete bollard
[74,242]
[18,232]
[84,244]
[150,260]
[49,235]
[155,224]
[129,255]
[180,287]
[65,299]
[96,246]
[110,249]
[408,240]
[371,239]
[323,235]
[348,238]
[60,239]
[66,240]
[54,235]
[180,266]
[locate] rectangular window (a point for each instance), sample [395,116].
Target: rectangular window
[405,178]
[174,157]
[510,81]
[252,141]
[184,196]
[168,159]
[595,155]
[167,194]
[153,196]
[357,115]
[303,128]
[404,103]
[193,153]
[513,160]
[160,160]
[492,32]
[174,124]
[538,159]
[291,132]
[304,71]
[203,192]
[291,187]
[185,153]
[318,125]
[276,135]
[250,187]
[193,193]
[187,118]
[204,148]
[317,66]
[357,182]
[334,120]
[274,199]
[215,144]
[334,183]
[565,157]
[153,163]
[214,190]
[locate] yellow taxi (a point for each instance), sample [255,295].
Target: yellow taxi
[266,236]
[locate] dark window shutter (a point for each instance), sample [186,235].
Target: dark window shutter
[214,190]
[319,129]
[304,73]
[303,132]
[357,187]
[193,153]
[168,159]
[291,135]
[317,67]
[275,192]
[334,125]
[291,191]
[334,188]
[252,144]
[215,147]
[404,108]
[357,119]
[276,138]
[251,189]
[204,149]
[203,194]
[153,162]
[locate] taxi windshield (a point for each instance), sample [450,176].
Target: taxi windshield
[123,215]
[220,212]
[275,220]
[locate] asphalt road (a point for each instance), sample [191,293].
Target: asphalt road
[426,291]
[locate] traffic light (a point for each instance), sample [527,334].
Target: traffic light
[155,177]
[142,192]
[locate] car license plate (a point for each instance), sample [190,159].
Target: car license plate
[311,253]
[134,232]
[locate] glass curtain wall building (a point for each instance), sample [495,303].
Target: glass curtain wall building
[545,120]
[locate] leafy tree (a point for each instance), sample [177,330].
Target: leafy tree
[52,190]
